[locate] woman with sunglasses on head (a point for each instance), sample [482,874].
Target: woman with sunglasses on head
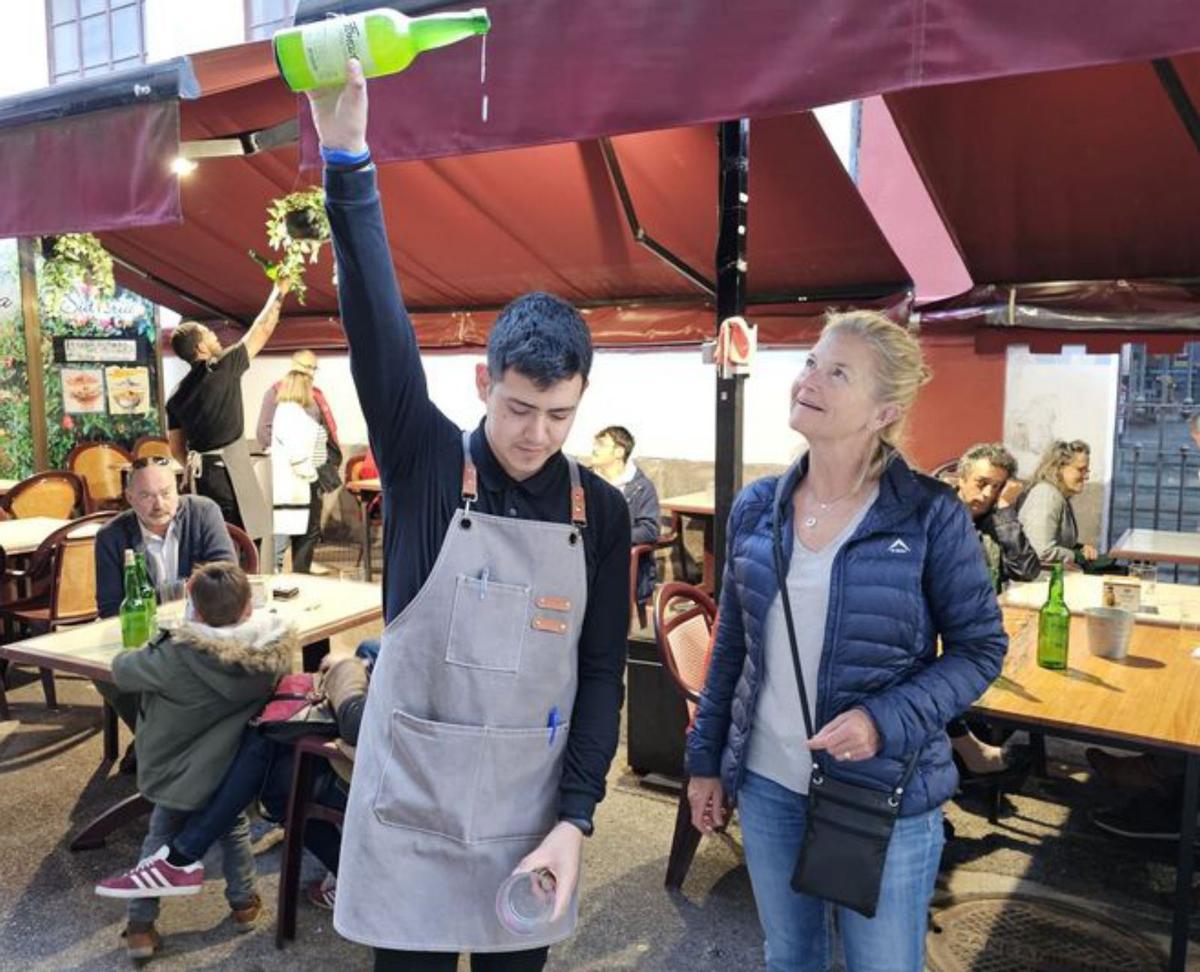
[837,684]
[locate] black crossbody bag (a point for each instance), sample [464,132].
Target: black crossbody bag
[849,826]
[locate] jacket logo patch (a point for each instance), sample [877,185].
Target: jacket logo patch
[898,547]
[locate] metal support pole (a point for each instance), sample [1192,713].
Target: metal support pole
[732,186]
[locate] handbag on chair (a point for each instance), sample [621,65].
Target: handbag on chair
[849,825]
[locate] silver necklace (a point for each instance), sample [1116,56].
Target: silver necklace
[812,519]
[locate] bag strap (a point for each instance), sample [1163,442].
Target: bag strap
[781,575]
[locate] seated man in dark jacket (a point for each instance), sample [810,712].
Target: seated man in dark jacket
[176,533]
[985,474]
[985,478]
[611,450]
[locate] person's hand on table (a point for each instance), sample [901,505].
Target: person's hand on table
[560,854]
[1089,552]
[848,737]
[340,114]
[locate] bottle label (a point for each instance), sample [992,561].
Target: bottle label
[330,44]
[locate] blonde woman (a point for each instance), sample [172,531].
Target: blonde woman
[1045,510]
[880,563]
[298,449]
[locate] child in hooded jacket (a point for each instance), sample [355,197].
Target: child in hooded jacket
[200,683]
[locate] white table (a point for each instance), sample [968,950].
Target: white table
[1173,603]
[1158,546]
[323,607]
[25,536]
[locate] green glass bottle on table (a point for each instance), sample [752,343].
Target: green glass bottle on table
[1054,625]
[384,41]
[148,592]
[135,619]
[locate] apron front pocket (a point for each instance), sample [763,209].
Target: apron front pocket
[430,776]
[487,624]
[519,776]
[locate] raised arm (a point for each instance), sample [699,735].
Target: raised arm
[384,355]
[255,339]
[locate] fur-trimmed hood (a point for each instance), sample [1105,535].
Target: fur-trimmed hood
[262,645]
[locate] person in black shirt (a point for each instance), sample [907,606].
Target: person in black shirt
[509,480]
[205,417]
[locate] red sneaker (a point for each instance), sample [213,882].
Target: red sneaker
[154,878]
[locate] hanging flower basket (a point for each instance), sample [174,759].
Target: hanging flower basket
[72,262]
[297,228]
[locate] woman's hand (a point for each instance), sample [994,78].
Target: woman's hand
[559,854]
[1089,552]
[707,799]
[849,737]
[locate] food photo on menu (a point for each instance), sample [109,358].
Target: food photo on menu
[83,390]
[128,390]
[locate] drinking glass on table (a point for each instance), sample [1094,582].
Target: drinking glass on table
[1147,574]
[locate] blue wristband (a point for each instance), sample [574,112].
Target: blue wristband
[342,157]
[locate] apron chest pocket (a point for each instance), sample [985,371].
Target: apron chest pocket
[470,784]
[487,624]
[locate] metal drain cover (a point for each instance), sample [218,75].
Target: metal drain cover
[1015,934]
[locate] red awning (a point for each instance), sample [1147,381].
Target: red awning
[470,232]
[472,227]
[571,69]
[1070,175]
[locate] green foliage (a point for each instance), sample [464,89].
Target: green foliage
[75,259]
[297,227]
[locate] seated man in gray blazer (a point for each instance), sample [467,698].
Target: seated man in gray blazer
[174,532]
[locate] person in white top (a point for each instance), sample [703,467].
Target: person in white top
[298,449]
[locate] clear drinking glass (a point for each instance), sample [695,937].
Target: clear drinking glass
[260,591]
[525,901]
[1147,574]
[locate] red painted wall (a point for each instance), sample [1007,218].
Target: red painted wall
[962,405]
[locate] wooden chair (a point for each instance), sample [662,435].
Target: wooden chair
[100,465]
[636,553]
[946,471]
[59,495]
[246,551]
[684,637]
[62,582]
[152,445]
[300,809]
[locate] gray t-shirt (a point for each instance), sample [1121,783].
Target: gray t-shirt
[778,741]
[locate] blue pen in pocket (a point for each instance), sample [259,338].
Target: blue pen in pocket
[552,723]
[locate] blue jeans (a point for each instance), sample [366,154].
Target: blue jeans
[237,860]
[798,928]
[262,770]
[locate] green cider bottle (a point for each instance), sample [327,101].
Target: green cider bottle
[1054,625]
[135,619]
[148,592]
[384,41]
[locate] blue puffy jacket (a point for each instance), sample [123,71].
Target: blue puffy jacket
[913,571]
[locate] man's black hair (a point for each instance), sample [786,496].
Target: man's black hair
[541,336]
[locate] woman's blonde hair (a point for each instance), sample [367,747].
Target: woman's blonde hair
[900,371]
[1058,454]
[296,387]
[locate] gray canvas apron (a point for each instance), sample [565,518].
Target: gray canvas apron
[460,753]
[253,507]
